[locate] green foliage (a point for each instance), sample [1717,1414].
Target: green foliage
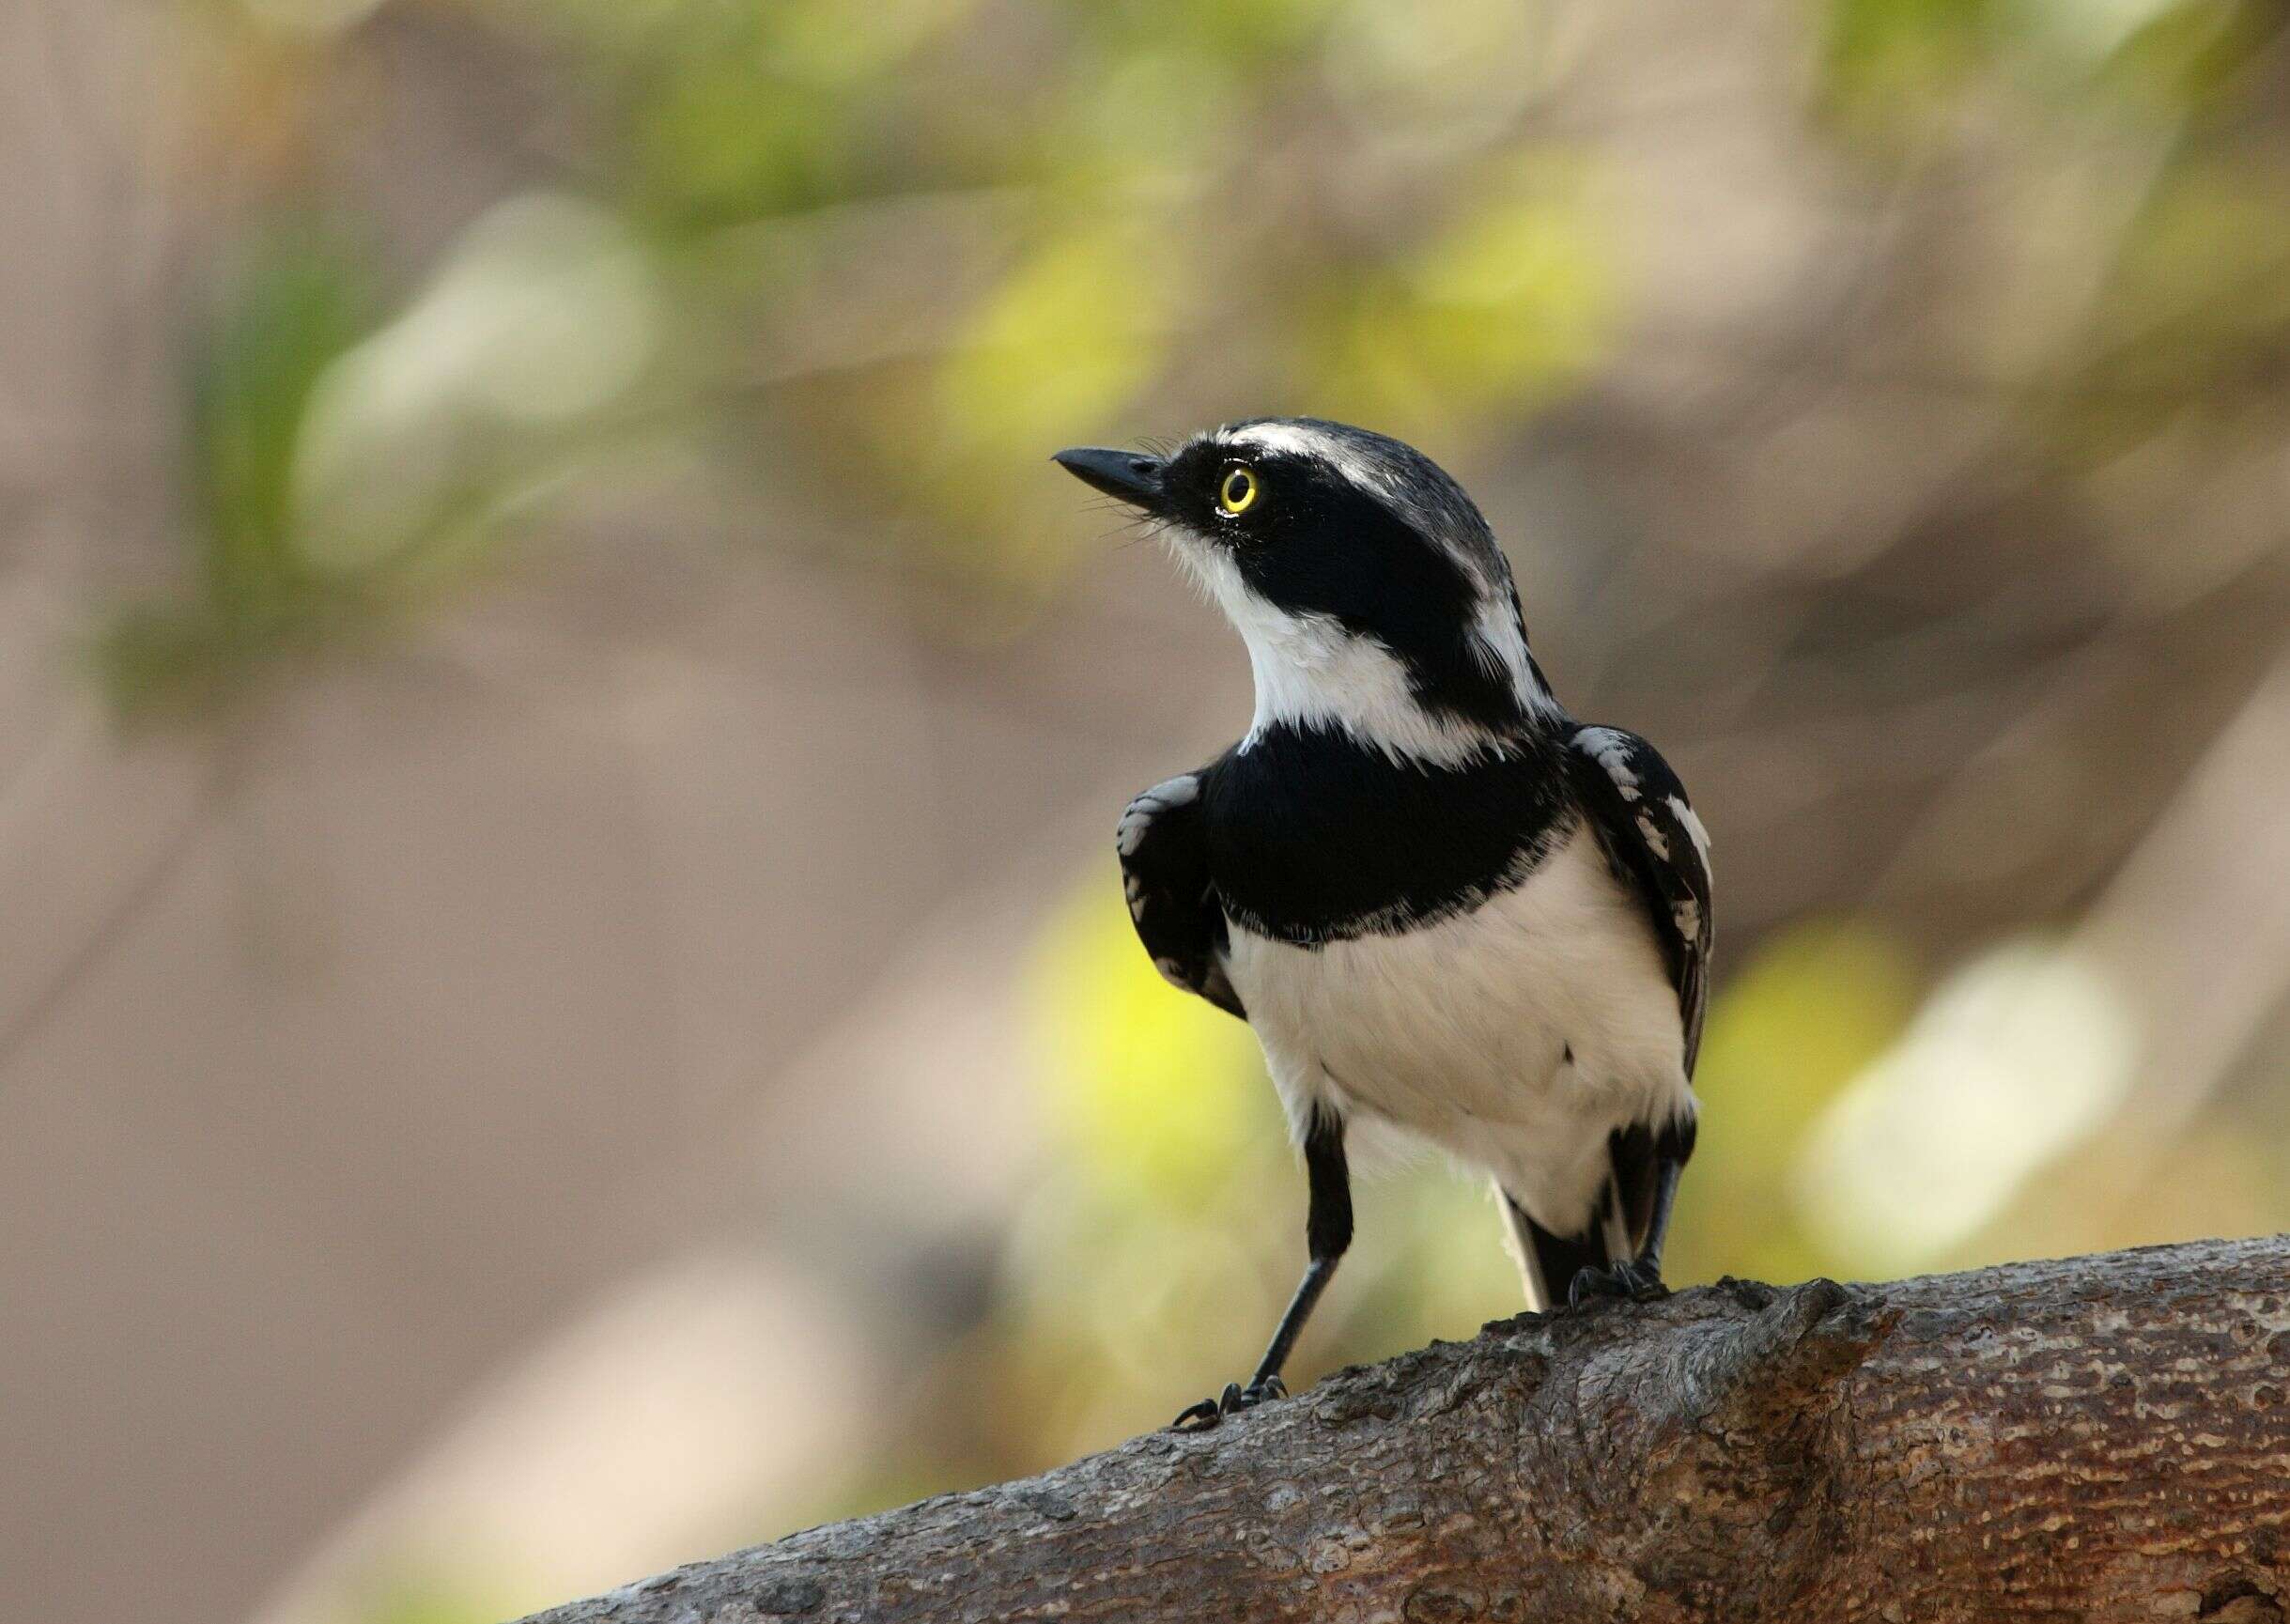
[1122,133]
[1889,60]
[2195,322]
[2184,57]
[1895,70]
[1111,252]
[1157,1099]
[1788,1031]
[291,308]
[340,470]
[293,302]
[1071,333]
[1103,238]
[1509,302]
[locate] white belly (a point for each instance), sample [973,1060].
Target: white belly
[1515,1037]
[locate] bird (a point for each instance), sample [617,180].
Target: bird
[1453,915]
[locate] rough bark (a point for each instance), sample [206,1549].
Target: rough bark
[2096,1439]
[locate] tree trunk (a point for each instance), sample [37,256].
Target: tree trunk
[2102,1438]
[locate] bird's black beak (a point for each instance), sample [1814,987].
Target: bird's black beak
[1131,475]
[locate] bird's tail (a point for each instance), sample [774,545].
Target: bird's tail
[1548,1263]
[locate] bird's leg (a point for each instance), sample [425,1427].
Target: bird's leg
[1327,1231]
[1658,1222]
[1638,1278]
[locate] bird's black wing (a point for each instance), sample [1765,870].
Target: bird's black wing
[1165,869]
[1657,847]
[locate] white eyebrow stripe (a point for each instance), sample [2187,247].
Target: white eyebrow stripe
[1288,437]
[1294,439]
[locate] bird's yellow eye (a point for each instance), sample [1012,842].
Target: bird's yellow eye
[1238,493]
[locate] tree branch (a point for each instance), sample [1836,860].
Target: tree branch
[2101,1438]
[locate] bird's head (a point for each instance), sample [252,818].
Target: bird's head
[1367,587]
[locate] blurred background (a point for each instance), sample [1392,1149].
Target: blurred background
[567,1001]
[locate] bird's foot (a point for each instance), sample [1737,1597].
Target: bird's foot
[1200,1417]
[1632,1279]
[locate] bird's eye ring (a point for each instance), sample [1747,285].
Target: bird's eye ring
[1238,493]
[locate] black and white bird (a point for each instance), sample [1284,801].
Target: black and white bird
[1446,907]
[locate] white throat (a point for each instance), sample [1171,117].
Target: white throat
[1310,672]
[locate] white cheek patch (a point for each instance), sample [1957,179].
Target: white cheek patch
[1311,672]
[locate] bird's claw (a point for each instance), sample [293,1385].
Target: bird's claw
[1631,1279]
[1204,1415]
